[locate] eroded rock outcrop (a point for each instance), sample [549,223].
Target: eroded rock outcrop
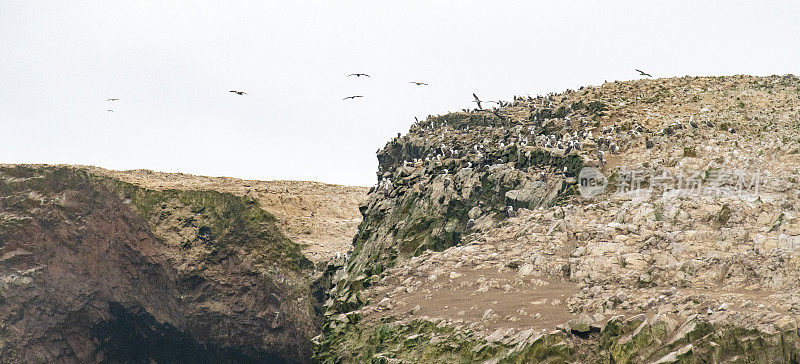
[93,268]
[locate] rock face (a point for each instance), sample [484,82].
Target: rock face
[429,187]
[476,244]
[93,268]
[322,218]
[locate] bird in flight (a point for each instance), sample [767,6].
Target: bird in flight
[358,75]
[477,100]
[352,97]
[112,100]
[643,73]
[238,92]
[419,83]
[109,110]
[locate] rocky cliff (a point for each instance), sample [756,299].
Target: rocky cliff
[641,221]
[103,266]
[645,221]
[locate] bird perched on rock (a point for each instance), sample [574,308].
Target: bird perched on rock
[470,224]
[497,113]
[510,211]
[359,75]
[419,83]
[352,97]
[643,73]
[240,93]
[692,123]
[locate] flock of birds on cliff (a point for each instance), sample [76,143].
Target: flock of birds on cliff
[445,140]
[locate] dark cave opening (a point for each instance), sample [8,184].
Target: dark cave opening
[134,336]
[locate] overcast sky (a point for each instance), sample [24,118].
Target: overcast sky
[171,64]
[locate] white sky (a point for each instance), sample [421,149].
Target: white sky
[172,62]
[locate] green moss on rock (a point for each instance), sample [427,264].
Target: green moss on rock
[232,221]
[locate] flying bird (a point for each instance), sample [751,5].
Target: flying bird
[352,97]
[477,100]
[358,75]
[109,110]
[112,100]
[238,92]
[643,73]
[419,83]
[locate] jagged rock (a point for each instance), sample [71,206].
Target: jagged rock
[676,356]
[581,324]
